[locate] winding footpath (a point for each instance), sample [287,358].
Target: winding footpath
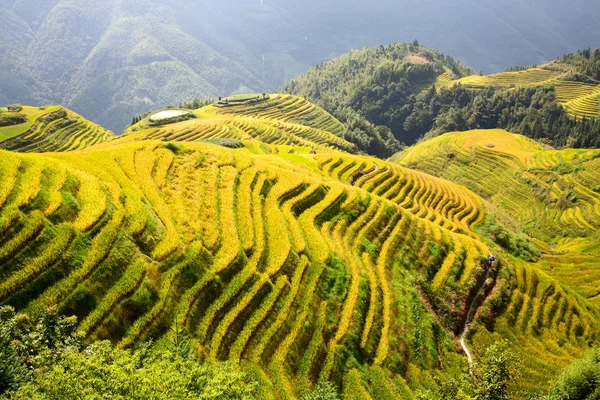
[463,337]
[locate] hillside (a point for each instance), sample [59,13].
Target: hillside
[414,93]
[112,59]
[274,119]
[46,129]
[303,262]
[580,99]
[377,85]
[258,255]
[553,197]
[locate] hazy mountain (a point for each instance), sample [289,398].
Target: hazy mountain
[109,60]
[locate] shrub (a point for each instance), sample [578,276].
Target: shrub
[580,380]
[323,391]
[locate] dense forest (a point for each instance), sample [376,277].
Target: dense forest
[387,87]
[375,85]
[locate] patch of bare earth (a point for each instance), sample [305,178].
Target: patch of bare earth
[414,59]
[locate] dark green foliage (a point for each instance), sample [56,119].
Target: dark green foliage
[586,62]
[382,87]
[26,345]
[514,244]
[491,377]
[334,283]
[102,372]
[533,112]
[374,85]
[79,303]
[494,372]
[198,103]
[580,380]
[175,148]
[44,360]
[9,119]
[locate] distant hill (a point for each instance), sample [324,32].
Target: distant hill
[578,95]
[417,92]
[113,59]
[378,85]
[274,119]
[44,129]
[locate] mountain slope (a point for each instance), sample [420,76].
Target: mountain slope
[112,59]
[580,99]
[378,85]
[274,119]
[554,198]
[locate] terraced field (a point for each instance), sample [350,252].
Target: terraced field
[50,129]
[305,262]
[282,120]
[554,196]
[580,99]
[239,248]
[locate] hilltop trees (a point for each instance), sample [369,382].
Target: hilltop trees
[377,85]
[585,62]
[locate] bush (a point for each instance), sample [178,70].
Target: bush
[580,380]
[323,391]
[102,372]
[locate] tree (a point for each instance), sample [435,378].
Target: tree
[580,380]
[494,371]
[415,43]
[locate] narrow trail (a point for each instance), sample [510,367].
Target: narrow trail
[463,336]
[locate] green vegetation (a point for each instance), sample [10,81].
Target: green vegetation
[579,381]
[376,85]
[260,244]
[386,87]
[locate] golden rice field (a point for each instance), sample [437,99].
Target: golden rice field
[52,128]
[301,260]
[260,257]
[283,120]
[555,197]
[579,99]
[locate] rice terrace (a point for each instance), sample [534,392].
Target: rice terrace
[388,225]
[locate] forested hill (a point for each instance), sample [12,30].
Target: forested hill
[378,85]
[416,92]
[112,59]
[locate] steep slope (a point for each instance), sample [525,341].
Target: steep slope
[307,262]
[45,129]
[554,198]
[257,255]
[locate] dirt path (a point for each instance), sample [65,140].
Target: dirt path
[463,337]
